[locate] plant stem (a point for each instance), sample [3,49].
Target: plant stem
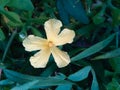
[8,45]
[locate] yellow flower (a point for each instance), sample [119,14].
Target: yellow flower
[49,46]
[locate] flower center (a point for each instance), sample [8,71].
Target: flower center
[50,44]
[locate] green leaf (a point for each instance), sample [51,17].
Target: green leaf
[81,74]
[42,81]
[111,54]
[6,82]
[72,7]
[3,2]
[97,19]
[93,49]
[48,71]
[116,16]
[11,16]
[88,4]
[63,14]
[26,86]
[36,32]
[94,85]
[115,63]
[60,76]
[2,35]
[85,30]
[64,87]
[100,71]
[114,85]
[2,65]
[21,4]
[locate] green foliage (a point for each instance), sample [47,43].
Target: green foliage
[21,4]
[32,81]
[116,16]
[10,17]
[80,75]
[110,54]
[115,63]
[94,53]
[62,87]
[2,35]
[93,49]
[114,85]
[70,9]
[94,85]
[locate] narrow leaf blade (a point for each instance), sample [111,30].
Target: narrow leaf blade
[94,85]
[63,14]
[43,81]
[111,54]
[25,86]
[93,49]
[81,74]
[2,35]
[64,87]
[75,9]
[21,4]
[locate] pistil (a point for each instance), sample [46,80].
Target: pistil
[50,44]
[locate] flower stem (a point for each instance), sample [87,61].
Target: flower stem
[8,45]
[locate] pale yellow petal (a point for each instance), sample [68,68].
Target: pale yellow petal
[62,59]
[52,28]
[32,43]
[40,59]
[66,36]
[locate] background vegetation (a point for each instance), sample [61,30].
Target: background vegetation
[95,52]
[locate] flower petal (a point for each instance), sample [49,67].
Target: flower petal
[40,59]
[32,43]
[52,28]
[66,36]
[62,59]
